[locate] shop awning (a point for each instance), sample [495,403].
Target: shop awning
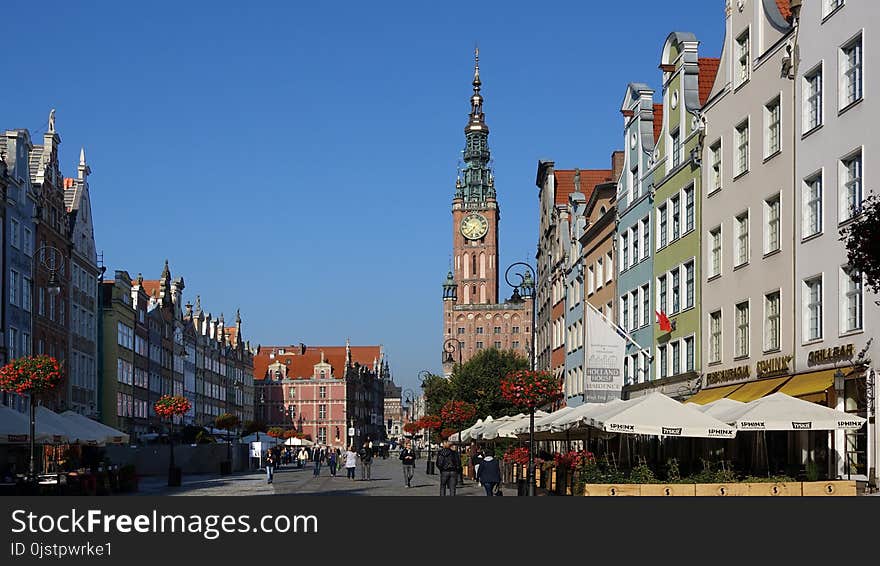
[809,386]
[709,395]
[757,389]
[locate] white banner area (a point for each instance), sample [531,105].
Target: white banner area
[605,351]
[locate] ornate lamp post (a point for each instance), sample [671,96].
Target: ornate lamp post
[429,465]
[521,291]
[168,407]
[449,346]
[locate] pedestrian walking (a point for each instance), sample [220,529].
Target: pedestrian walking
[332,461]
[302,457]
[408,458]
[476,460]
[318,458]
[489,474]
[449,464]
[366,455]
[270,466]
[350,462]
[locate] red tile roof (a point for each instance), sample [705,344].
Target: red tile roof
[658,121]
[589,179]
[784,9]
[302,366]
[708,70]
[231,334]
[151,287]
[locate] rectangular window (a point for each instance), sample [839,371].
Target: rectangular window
[812,100]
[514,330]
[28,241]
[591,278]
[599,274]
[771,217]
[742,148]
[676,149]
[13,287]
[742,56]
[676,357]
[851,73]
[634,298]
[515,345]
[14,233]
[460,330]
[635,244]
[624,310]
[851,187]
[479,345]
[661,216]
[829,6]
[771,321]
[715,251]
[772,135]
[322,391]
[813,306]
[661,283]
[715,173]
[646,308]
[662,365]
[689,353]
[497,345]
[646,236]
[610,267]
[624,245]
[852,303]
[479,330]
[322,411]
[742,329]
[812,212]
[689,284]
[676,217]
[496,330]
[676,291]
[742,238]
[13,343]
[688,209]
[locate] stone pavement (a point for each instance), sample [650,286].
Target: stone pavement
[242,483]
[387,480]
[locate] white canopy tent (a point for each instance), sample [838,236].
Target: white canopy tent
[262,437]
[15,428]
[725,410]
[488,429]
[298,442]
[783,412]
[508,428]
[579,418]
[658,415]
[105,434]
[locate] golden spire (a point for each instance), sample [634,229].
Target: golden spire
[477,82]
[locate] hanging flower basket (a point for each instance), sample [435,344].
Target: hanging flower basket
[530,389]
[430,422]
[276,432]
[30,375]
[457,412]
[171,405]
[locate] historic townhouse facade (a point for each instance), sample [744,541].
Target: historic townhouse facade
[334,394]
[574,293]
[83,299]
[746,220]
[18,252]
[642,120]
[676,201]
[473,317]
[834,136]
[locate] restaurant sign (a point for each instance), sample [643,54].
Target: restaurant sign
[772,367]
[727,375]
[831,355]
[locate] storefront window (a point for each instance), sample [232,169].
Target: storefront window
[855,402]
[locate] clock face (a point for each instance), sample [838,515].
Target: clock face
[474,226]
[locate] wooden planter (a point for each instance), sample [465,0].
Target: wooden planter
[669,490]
[829,488]
[780,489]
[793,489]
[721,489]
[611,490]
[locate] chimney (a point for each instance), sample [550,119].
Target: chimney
[617,161]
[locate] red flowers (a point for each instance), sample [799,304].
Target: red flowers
[37,374]
[430,422]
[457,412]
[171,405]
[517,455]
[276,432]
[411,428]
[530,389]
[447,432]
[572,459]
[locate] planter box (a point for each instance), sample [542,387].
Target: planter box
[670,490]
[721,489]
[830,488]
[611,490]
[775,489]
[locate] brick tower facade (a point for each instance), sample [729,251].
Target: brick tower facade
[472,315]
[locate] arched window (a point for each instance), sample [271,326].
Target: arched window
[482,293]
[467,266]
[482,266]
[474,258]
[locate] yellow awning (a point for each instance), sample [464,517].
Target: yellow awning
[757,389]
[812,384]
[708,395]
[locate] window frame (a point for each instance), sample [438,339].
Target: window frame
[809,97]
[772,122]
[769,335]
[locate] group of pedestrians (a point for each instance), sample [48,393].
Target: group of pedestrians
[486,467]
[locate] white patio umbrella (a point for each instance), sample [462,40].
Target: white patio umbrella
[105,434]
[784,412]
[488,429]
[544,423]
[298,442]
[74,432]
[508,429]
[658,415]
[725,410]
[580,417]
[15,428]
[473,432]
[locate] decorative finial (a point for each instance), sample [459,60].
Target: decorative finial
[82,156]
[477,82]
[577,180]
[237,316]
[52,121]
[140,279]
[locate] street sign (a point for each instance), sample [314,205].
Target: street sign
[256,449]
[351,431]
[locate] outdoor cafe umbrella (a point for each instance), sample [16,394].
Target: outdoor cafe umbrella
[73,431]
[658,415]
[105,434]
[722,409]
[298,442]
[488,429]
[507,429]
[15,428]
[542,425]
[784,412]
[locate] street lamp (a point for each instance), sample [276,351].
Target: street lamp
[527,285]
[429,465]
[449,346]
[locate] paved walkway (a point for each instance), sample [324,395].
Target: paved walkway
[242,483]
[387,480]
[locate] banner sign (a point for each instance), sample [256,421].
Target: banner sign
[256,449]
[604,359]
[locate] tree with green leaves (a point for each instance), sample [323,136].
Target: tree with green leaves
[862,238]
[438,392]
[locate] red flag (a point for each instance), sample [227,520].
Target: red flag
[665,325]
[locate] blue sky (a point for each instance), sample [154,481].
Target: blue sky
[297,160]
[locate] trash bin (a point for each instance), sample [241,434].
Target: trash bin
[430,468]
[225,468]
[174,477]
[522,487]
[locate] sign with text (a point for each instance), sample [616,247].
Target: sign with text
[604,359]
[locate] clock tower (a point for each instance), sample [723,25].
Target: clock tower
[473,319]
[475,211]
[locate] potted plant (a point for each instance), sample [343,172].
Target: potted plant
[227,422]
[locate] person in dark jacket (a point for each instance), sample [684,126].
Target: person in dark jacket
[366,455]
[408,459]
[489,473]
[449,464]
